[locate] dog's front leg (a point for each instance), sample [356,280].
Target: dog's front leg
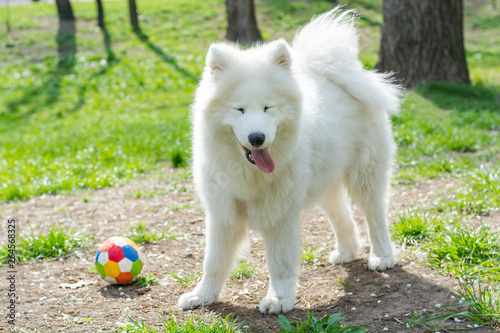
[222,240]
[282,244]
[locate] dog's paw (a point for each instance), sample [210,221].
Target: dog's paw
[340,257]
[275,305]
[194,299]
[380,263]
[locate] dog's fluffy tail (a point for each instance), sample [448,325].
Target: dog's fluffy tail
[328,46]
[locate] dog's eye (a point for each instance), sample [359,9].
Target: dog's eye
[267,108]
[240,109]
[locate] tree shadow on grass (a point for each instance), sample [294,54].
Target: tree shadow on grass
[111,60]
[462,98]
[66,51]
[51,87]
[163,56]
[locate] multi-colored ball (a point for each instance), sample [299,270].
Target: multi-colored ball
[118,260]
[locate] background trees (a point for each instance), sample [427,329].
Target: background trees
[64,10]
[242,24]
[422,40]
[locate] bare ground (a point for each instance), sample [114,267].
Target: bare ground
[375,300]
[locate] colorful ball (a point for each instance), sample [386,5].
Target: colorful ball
[118,260]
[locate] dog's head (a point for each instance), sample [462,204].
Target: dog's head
[255,94]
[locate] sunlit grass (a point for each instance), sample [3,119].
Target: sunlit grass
[466,251]
[185,279]
[57,242]
[244,270]
[311,253]
[145,281]
[191,325]
[413,227]
[479,196]
[141,232]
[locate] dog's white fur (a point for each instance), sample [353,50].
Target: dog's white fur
[327,131]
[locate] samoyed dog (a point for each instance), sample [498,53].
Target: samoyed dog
[278,128]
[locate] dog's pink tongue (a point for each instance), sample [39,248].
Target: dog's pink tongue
[263,160]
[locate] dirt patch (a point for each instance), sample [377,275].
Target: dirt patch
[374,300]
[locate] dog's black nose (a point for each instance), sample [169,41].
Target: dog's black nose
[256,139]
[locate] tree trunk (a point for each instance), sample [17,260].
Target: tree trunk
[64,10]
[100,14]
[134,21]
[242,24]
[422,40]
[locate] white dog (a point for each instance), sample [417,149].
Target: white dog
[277,128]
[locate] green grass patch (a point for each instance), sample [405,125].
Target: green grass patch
[145,281]
[483,300]
[191,325]
[327,324]
[480,196]
[56,243]
[311,254]
[141,232]
[465,252]
[244,270]
[413,227]
[185,279]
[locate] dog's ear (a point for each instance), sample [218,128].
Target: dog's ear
[218,58]
[280,54]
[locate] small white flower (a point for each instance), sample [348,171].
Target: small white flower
[452,296]
[349,293]
[357,280]
[385,329]
[379,301]
[408,285]
[353,309]
[386,316]
[438,305]
[457,320]
[373,295]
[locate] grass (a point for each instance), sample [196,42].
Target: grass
[185,279]
[146,281]
[56,243]
[118,105]
[311,254]
[191,325]
[480,195]
[465,251]
[244,270]
[327,324]
[412,228]
[484,301]
[140,233]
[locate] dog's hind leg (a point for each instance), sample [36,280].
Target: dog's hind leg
[222,242]
[336,207]
[369,191]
